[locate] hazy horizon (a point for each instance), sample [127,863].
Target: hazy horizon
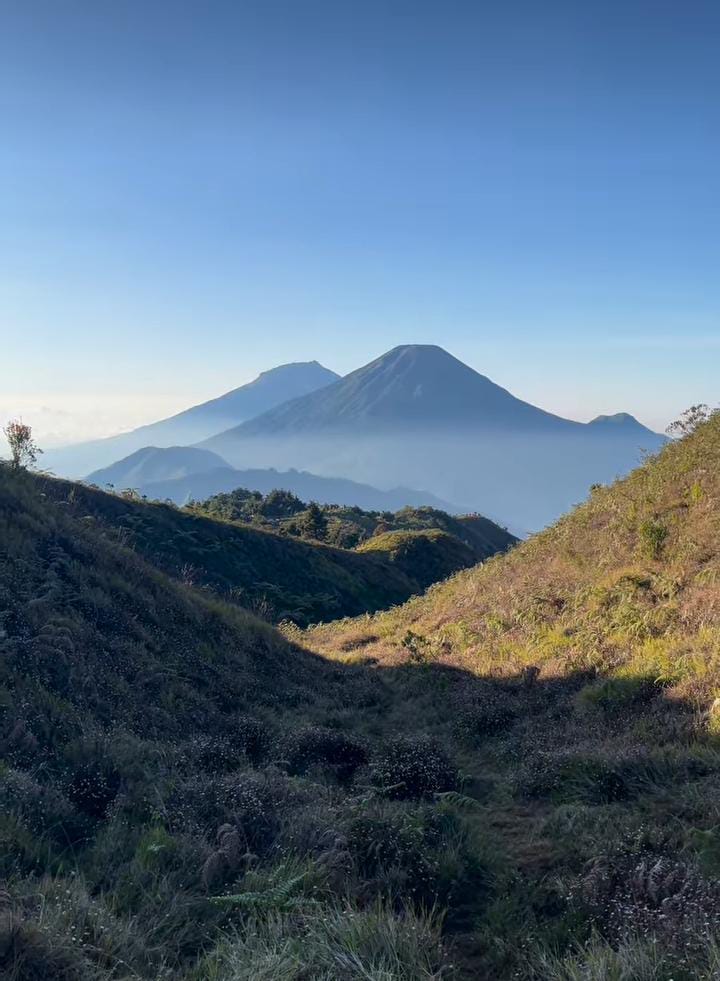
[74,418]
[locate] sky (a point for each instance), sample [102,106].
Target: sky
[192,192]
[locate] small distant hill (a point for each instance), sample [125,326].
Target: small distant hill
[182,474]
[269,389]
[350,527]
[151,464]
[429,556]
[622,423]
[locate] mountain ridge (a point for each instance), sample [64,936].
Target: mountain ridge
[147,472]
[269,389]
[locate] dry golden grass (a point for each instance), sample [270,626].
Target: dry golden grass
[629,582]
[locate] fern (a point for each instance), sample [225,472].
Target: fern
[279,897]
[453,799]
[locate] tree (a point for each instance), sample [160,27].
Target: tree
[314,522]
[23,449]
[690,420]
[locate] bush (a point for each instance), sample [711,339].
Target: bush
[329,747]
[486,714]
[420,855]
[253,739]
[570,779]
[92,789]
[614,695]
[652,538]
[413,767]
[250,802]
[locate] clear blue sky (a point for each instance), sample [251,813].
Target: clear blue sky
[191,192]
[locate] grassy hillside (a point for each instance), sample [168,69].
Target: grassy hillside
[279,577]
[581,674]
[618,585]
[514,776]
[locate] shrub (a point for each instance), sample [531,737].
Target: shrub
[329,747]
[413,767]
[483,714]
[39,807]
[93,788]
[420,855]
[253,738]
[570,779]
[652,538]
[249,802]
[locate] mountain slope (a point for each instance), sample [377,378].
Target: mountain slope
[417,416]
[268,390]
[91,621]
[160,750]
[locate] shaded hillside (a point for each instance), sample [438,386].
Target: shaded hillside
[280,577]
[156,473]
[419,417]
[268,390]
[99,635]
[161,753]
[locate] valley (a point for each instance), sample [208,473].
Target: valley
[515,774]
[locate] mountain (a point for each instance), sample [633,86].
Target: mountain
[182,474]
[623,423]
[269,389]
[412,386]
[152,463]
[418,416]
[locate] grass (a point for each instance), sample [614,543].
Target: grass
[516,775]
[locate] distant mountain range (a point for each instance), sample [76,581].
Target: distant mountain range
[419,416]
[415,417]
[269,389]
[184,473]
